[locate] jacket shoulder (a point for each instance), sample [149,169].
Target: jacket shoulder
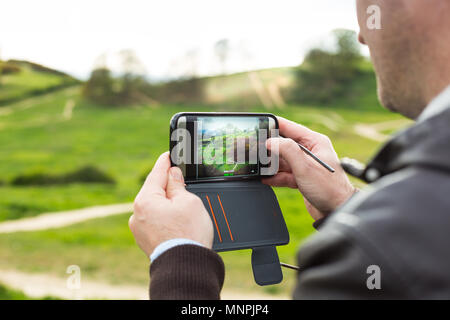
[402,223]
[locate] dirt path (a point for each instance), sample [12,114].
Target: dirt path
[68,109]
[64,218]
[369,132]
[374,131]
[31,102]
[37,285]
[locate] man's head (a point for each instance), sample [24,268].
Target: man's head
[411,51]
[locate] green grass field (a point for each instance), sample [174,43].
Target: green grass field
[8,294]
[36,136]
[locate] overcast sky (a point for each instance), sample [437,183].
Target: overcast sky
[70,35]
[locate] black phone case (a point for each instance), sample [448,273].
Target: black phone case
[245,215]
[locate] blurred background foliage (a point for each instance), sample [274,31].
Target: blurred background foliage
[326,76]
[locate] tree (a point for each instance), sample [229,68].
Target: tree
[129,87]
[132,78]
[100,87]
[326,75]
[347,44]
[131,64]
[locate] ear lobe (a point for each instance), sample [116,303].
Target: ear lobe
[361,39]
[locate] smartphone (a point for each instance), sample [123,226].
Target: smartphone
[211,146]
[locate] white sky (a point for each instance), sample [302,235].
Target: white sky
[70,35]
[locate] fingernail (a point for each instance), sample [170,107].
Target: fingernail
[175,172]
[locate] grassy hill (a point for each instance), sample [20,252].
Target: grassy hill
[255,88]
[21,79]
[275,88]
[59,132]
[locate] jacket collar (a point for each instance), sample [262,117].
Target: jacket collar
[425,144]
[436,106]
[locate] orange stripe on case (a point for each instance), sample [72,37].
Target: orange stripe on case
[214,217]
[225,216]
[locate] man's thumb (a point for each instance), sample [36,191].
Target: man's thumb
[175,184]
[289,150]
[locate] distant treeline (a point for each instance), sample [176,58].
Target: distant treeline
[338,76]
[105,89]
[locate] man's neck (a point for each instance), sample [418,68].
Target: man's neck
[438,104]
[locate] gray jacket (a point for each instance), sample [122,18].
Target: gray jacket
[392,239]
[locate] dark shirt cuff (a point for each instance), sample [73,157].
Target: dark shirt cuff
[187,272]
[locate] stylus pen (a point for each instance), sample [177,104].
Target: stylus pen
[312,155]
[289,266]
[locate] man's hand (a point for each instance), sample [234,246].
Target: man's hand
[323,191]
[164,210]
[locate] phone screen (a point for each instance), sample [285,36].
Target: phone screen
[223,147]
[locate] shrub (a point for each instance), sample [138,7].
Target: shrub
[35,178]
[87,174]
[8,68]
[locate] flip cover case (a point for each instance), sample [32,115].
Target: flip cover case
[246,215]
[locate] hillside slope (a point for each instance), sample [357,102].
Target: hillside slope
[275,88]
[22,79]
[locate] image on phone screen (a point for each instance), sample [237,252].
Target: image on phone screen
[226,146]
[221,141]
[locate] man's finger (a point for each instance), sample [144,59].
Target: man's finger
[289,150]
[281,179]
[295,131]
[283,166]
[175,184]
[156,181]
